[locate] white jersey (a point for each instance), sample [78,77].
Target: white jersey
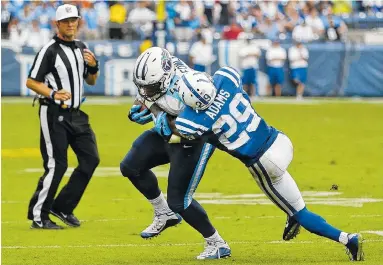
[202,53]
[276,56]
[298,57]
[170,102]
[249,56]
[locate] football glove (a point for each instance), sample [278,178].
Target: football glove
[141,117]
[162,126]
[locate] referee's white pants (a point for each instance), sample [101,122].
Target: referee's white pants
[271,175]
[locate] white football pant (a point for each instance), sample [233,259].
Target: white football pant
[271,175]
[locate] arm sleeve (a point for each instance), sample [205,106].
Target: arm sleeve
[188,125]
[42,65]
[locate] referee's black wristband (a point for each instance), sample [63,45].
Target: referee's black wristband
[52,95]
[93,69]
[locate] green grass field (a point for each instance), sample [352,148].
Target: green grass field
[335,143]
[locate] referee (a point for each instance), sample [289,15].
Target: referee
[57,76]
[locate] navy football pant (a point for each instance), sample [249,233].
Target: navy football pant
[187,165]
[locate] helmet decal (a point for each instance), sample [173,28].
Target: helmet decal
[166,62]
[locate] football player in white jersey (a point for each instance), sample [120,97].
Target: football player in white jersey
[219,111]
[155,74]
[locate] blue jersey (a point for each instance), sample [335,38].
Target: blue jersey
[230,123]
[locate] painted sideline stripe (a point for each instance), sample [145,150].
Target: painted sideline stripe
[279,242]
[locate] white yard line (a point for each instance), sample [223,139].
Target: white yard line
[379,233]
[174,245]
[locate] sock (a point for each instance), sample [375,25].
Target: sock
[317,225]
[215,237]
[160,204]
[343,238]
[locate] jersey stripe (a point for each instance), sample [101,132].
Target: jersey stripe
[192,124]
[232,71]
[185,130]
[222,73]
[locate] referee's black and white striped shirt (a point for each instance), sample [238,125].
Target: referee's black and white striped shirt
[60,65]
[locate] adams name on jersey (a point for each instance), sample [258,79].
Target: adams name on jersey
[230,122]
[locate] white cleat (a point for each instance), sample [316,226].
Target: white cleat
[160,223]
[215,250]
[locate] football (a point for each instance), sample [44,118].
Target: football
[139,102]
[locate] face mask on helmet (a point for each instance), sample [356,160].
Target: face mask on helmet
[151,92]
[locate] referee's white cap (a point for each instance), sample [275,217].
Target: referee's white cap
[66,11]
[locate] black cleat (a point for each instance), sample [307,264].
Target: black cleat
[291,229]
[68,219]
[45,224]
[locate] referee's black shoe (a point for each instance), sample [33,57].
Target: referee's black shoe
[45,224]
[68,219]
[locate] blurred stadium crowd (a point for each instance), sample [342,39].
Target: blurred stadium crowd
[31,23]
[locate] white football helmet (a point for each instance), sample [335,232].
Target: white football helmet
[153,73]
[196,89]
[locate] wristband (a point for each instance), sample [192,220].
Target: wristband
[93,69]
[52,94]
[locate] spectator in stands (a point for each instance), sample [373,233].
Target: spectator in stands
[314,21]
[335,28]
[249,56]
[45,14]
[183,20]
[25,16]
[275,59]
[142,19]
[324,7]
[232,31]
[102,10]
[298,58]
[116,20]
[256,12]
[303,32]
[269,28]
[14,35]
[269,8]
[224,18]
[201,54]
[146,44]
[90,17]
[292,18]
[372,6]
[6,17]
[246,21]
[31,36]
[209,10]
[342,7]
